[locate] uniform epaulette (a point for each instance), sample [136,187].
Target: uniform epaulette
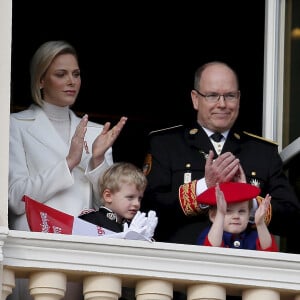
[165,129]
[260,138]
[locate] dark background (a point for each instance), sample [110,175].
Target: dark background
[139,59]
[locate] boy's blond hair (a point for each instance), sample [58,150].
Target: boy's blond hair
[119,173]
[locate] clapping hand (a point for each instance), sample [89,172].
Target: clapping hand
[138,223]
[77,143]
[105,140]
[221,201]
[262,210]
[223,169]
[151,224]
[102,143]
[143,225]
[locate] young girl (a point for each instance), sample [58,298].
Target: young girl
[229,216]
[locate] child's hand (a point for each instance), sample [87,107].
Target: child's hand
[138,223]
[262,210]
[143,225]
[151,224]
[221,202]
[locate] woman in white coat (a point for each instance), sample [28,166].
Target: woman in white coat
[56,157]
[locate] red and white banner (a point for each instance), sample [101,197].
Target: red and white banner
[43,218]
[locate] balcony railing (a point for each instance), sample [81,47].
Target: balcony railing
[154,270]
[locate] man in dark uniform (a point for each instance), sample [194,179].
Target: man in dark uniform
[184,161]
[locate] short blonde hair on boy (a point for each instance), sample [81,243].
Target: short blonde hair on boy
[119,173]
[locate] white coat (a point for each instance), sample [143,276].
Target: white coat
[38,167]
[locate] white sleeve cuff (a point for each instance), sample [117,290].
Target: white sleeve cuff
[201,186]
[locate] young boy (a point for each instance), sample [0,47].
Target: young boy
[229,214]
[121,188]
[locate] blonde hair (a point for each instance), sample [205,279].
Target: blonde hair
[119,173]
[41,61]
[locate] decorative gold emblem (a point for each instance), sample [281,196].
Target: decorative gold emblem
[193,131]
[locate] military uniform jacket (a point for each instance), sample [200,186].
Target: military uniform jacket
[104,218]
[176,151]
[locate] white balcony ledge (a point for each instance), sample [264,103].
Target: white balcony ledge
[130,260]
